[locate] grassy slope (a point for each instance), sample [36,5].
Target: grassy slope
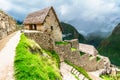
[109,77]
[39,65]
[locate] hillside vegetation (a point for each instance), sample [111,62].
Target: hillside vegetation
[34,63]
[70,32]
[110,47]
[95,38]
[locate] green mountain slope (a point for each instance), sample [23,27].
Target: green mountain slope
[110,47]
[95,38]
[70,32]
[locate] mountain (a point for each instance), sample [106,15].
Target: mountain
[110,47]
[94,38]
[69,32]
[19,22]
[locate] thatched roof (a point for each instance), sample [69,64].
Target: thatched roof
[37,17]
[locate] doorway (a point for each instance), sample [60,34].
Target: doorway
[32,27]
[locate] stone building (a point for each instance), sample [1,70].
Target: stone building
[46,21]
[7,24]
[44,28]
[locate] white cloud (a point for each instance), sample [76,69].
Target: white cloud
[84,14]
[5,5]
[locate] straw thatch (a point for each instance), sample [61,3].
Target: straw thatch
[37,17]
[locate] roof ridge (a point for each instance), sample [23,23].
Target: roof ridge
[37,16]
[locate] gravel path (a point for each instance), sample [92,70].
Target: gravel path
[7,58]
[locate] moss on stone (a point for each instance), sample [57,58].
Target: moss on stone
[61,42]
[82,53]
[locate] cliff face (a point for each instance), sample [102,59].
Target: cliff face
[7,24]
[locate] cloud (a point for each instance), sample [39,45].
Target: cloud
[85,15]
[5,5]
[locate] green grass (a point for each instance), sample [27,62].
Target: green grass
[108,77]
[91,57]
[61,42]
[98,58]
[36,65]
[82,53]
[80,69]
[73,49]
[54,56]
[75,76]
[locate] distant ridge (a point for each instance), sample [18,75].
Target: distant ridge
[110,47]
[70,32]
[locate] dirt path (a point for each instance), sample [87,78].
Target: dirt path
[5,40]
[7,58]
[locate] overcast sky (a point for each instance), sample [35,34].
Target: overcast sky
[85,15]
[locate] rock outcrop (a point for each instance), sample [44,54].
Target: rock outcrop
[7,24]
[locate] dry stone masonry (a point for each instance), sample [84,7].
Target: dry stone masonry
[7,24]
[87,61]
[43,39]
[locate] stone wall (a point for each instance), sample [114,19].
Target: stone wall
[88,49]
[43,39]
[87,61]
[7,24]
[52,25]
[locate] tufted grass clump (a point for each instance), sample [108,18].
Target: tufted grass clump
[98,58]
[109,77]
[81,53]
[73,49]
[61,42]
[37,65]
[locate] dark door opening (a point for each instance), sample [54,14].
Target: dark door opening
[32,27]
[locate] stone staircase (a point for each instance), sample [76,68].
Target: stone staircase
[67,71]
[78,74]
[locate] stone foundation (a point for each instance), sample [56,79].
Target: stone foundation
[43,39]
